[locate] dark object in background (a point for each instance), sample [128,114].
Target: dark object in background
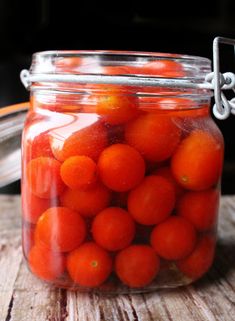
[30,26]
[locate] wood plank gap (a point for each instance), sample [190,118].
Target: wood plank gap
[166,309]
[147,308]
[8,317]
[134,313]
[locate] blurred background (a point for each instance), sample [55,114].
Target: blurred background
[150,25]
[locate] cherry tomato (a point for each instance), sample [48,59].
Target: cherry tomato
[33,206]
[27,238]
[78,171]
[119,70]
[200,208]
[40,146]
[43,177]
[200,260]
[87,202]
[152,201]
[163,68]
[89,265]
[60,229]
[154,136]
[46,264]
[137,265]
[114,106]
[113,229]
[166,173]
[88,141]
[121,167]
[174,239]
[197,162]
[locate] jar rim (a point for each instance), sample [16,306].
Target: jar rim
[143,54]
[128,68]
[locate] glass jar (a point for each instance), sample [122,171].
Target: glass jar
[121,171]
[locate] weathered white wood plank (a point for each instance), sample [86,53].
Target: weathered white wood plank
[10,250]
[24,298]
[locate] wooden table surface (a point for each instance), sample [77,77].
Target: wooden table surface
[24,298]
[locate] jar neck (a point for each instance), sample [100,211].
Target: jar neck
[137,72]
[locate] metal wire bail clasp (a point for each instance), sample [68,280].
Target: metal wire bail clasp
[222,107]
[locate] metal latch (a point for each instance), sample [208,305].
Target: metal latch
[226,81]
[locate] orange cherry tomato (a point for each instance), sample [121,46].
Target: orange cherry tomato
[113,106]
[78,171]
[121,167]
[113,229]
[137,265]
[163,68]
[89,265]
[33,206]
[166,173]
[200,208]
[197,162]
[152,201]
[200,260]
[87,202]
[43,177]
[88,141]
[60,229]
[174,239]
[155,136]
[46,264]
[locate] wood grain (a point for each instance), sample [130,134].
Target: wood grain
[25,298]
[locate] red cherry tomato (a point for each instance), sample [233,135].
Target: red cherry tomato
[174,238]
[121,167]
[87,202]
[40,146]
[33,206]
[197,162]
[60,229]
[113,229]
[27,238]
[200,208]
[166,173]
[154,136]
[89,265]
[163,68]
[45,263]
[152,201]
[78,171]
[88,141]
[114,107]
[137,265]
[200,260]
[43,177]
